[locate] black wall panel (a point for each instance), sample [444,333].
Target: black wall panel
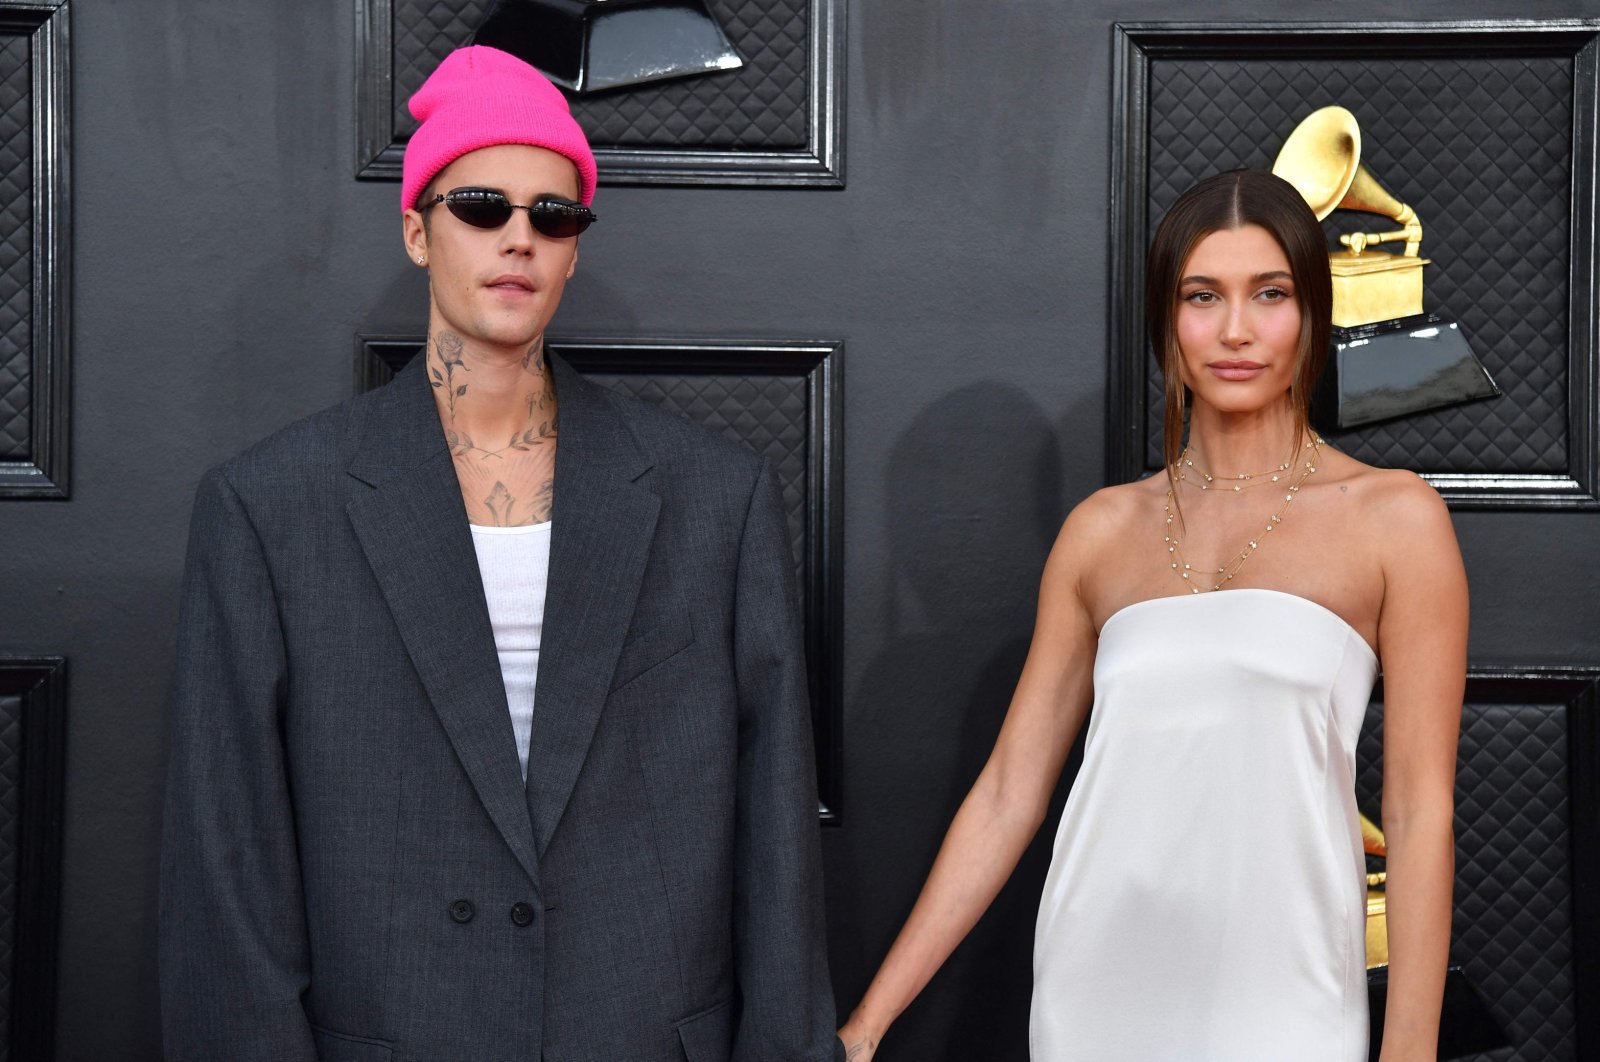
[1487,130]
[773,121]
[35,251]
[1526,853]
[33,701]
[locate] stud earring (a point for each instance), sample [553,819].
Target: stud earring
[422,260]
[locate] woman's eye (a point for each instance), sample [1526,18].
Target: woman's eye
[1274,294]
[1200,298]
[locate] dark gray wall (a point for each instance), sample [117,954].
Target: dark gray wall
[225,257]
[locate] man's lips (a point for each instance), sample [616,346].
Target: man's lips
[511,283]
[1236,369]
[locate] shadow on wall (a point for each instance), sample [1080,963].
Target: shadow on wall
[974,499]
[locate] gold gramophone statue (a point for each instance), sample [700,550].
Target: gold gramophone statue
[1466,1026]
[1373,844]
[1390,357]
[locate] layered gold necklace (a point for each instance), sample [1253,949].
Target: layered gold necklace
[1193,577]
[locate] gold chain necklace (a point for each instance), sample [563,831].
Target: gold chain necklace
[1241,481]
[1183,570]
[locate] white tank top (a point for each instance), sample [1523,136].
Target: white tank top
[514,564]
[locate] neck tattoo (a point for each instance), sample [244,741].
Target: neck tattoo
[540,425]
[447,351]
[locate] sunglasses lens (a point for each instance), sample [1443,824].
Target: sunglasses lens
[559,220]
[486,209]
[483,210]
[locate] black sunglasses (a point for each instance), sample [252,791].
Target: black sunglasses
[484,208]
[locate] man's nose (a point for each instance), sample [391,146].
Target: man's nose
[517,235]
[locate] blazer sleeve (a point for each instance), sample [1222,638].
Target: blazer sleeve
[233,948]
[787,1010]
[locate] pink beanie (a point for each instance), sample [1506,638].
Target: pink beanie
[482,96]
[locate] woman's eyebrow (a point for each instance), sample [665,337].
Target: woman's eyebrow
[1276,274]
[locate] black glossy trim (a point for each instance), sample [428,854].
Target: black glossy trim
[45,473]
[1136,44]
[41,681]
[379,357]
[820,164]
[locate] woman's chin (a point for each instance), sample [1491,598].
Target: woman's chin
[1241,399]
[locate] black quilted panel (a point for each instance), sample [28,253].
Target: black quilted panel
[761,106]
[16,247]
[769,414]
[425,31]
[1513,898]
[10,820]
[1481,147]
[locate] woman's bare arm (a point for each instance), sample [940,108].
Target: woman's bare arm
[1422,638]
[1006,804]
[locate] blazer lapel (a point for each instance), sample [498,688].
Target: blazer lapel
[603,523]
[413,529]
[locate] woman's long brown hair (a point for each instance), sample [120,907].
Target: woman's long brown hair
[1230,201]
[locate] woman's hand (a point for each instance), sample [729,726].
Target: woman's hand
[1007,803]
[859,1043]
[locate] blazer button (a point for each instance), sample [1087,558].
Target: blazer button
[461,911]
[521,915]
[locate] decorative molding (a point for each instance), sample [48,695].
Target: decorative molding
[819,164]
[378,357]
[44,473]
[1136,46]
[40,683]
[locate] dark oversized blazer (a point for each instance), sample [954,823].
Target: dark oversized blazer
[353,869]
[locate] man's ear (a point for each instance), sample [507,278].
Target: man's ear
[415,234]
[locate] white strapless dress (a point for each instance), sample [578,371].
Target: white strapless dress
[1206,898]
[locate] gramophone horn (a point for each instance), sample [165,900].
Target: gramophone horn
[1322,159]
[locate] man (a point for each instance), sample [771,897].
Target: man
[490,732]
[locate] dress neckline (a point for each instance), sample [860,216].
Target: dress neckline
[1248,590]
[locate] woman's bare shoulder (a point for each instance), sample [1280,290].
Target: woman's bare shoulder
[1395,503]
[1392,486]
[1099,523]
[1109,512]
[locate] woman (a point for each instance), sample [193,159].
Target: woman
[1205,899]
